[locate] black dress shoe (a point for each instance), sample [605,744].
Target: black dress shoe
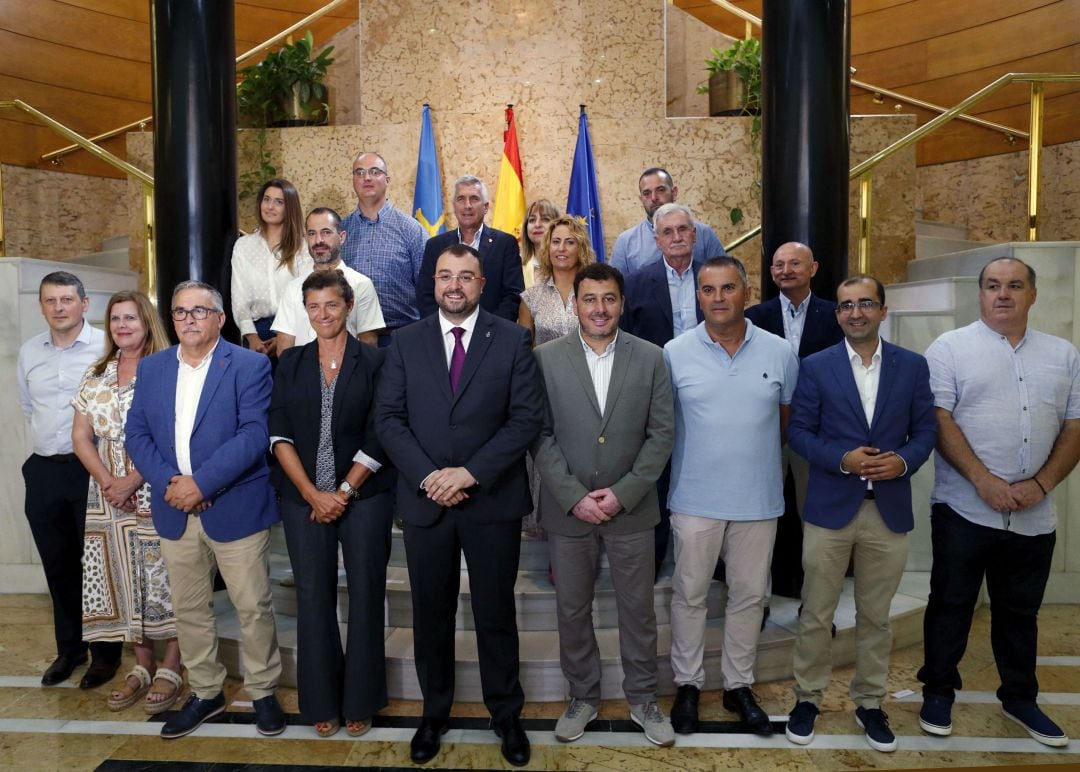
[742,701]
[100,672]
[684,711]
[62,668]
[269,717]
[425,743]
[515,743]
[191,716]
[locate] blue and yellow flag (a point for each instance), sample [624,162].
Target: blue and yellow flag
[427,196]
[584,200]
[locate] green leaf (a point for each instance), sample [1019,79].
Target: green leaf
[736,215]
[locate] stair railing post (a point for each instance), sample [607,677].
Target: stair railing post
[1034,159]
[866,187]
[3,253]
[149,263]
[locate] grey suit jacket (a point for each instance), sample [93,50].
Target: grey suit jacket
[625,449]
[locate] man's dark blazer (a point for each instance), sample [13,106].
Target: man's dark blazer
[819,332]
[828,420]
[647,312]
[228,442]
[296,409]
[485,427]
[504,281]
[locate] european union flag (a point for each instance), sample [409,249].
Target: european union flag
[427,196]
[584,200]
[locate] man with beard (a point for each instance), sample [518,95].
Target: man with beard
[459,402]
[636,247]
[503,279]
[324,238]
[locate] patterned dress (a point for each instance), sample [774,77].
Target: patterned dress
[125,585]
[551,319]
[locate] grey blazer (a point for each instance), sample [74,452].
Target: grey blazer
[625,449]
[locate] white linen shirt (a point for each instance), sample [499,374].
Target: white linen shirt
[189,386]
[259,280]
[292,318]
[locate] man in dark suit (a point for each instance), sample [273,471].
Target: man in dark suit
[661,303]
[459,402]
[197,431]
[808,323]
[863,416]
[499,253]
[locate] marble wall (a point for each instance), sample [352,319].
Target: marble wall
[989,195]
[53,215]
[689,41]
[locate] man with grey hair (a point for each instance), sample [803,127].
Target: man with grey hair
[197,431]
[638,247]
[498,251]
[384,244]
[50,368]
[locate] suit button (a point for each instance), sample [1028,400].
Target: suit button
[453,426]
[601,440]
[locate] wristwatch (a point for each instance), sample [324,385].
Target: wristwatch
[347,489]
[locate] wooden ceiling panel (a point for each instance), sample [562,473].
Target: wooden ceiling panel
[62,24]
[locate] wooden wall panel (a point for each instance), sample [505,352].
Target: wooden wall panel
[66,25]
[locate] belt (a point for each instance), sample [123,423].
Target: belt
[59,458]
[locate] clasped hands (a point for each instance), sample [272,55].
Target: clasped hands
[184,494]
[597,507]
[447,486]
[871,464]
[120,492]
[1008,497]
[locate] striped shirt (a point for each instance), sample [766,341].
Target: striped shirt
[600,368]
[388,250]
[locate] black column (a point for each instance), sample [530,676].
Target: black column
[194,142]
[805,50]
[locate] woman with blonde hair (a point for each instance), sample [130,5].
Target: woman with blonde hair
[538,216]
[264,262]
[125,584]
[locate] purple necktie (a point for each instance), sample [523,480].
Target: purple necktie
[457,359]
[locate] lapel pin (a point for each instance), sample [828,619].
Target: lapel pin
[488,334]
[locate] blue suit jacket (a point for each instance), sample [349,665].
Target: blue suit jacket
[820,331]
[228,442]
[485,426]
[828,420]
[502,271]
[647,311]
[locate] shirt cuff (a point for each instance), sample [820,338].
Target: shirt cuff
[275,440]
[363,458]
[423,483]
[247,327]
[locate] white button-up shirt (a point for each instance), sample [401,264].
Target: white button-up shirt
[794,320]
[448,337]
[189,386]
[600,368]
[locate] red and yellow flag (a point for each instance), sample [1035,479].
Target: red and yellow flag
[510,195]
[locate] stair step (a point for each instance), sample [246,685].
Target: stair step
[939,230]
[110,258]
[934,246]
[116,242]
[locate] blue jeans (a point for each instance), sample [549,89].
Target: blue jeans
[1016,569]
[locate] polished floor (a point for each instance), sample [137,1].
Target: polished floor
[65,728]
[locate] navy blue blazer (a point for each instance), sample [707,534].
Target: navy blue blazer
[228,442]
[504,281]
[647,311]
[828,420]
[820,331]
[485,426]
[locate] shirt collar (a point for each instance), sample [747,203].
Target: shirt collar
[478,237]
[856,358]
[467,324]
[673,274]
[205,360]
[589,350]
[385,206]
[997,335]
[83,337]
[787,305]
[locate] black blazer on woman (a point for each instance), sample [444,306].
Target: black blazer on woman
[295,409]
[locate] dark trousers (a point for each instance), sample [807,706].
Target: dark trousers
[333,684]
[491,554]
[56,488]
[662,531]
[1016,569]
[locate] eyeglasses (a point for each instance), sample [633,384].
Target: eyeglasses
[465,278]
[863,305]
[374,172]
[198,313]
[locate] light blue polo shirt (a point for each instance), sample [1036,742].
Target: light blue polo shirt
[726,463]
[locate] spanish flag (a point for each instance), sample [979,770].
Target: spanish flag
[510,194]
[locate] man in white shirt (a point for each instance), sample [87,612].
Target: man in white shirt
[324,238]
[50,369]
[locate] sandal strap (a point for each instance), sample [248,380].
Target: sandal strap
[141,674]
[172,676]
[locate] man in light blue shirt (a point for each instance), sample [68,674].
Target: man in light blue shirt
[1008,409]
[733,384]
[50,369]
[637,247]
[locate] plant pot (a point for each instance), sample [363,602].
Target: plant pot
[301,114]
[727,93]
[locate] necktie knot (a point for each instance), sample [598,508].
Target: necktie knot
[458,332]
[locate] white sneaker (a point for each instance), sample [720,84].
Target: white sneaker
[571,724]
[654,723]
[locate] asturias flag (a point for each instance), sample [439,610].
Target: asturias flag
[584,200]
[510,195]
[427,196]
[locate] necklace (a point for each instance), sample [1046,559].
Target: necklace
[334,358]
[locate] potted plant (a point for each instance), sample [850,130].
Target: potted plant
[734,88]
[286,88]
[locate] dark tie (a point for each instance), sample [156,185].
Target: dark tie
[457,359]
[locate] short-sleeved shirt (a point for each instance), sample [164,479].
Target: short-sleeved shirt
[726,462]
[389,251]
[292,318]
[1011,405]
[636,247]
